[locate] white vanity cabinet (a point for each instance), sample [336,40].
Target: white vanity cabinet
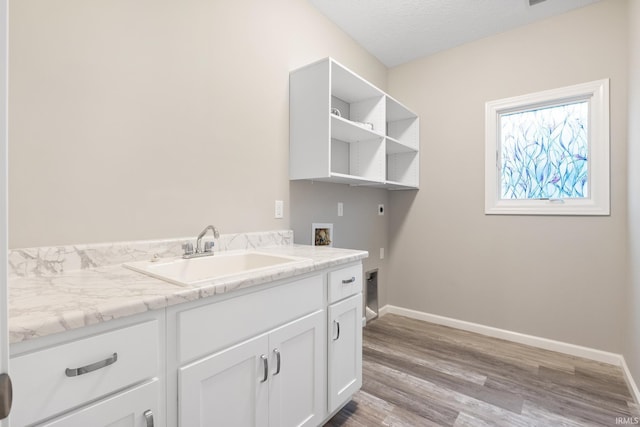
[343,129]
[105,375]
[271,380]
[256,359]
[344,345]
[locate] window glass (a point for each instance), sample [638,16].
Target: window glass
[545,152]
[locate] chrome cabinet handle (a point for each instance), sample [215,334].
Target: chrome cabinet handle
[92,367]
[265,365]
[347,281]
[148,416]
[277,352]
[338,325]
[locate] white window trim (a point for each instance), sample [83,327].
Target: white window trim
[597,92]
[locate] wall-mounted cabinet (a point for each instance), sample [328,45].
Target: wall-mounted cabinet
[345,130]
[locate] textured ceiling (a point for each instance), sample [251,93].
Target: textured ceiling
[398,31]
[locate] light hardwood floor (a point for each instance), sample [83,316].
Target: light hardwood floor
[421,374]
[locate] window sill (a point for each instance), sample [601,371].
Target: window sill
[547,207]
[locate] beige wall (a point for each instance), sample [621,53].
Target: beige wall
[360,227]
[136,120]
[632,337]
[562,278]
[146,119]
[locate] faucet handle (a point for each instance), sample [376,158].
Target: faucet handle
[208,246]
[188,248]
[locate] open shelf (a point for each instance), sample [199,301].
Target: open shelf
[402,168]
[373,141]
[341,178]
[349,131]
[394,147]
[350,87]
[396,111]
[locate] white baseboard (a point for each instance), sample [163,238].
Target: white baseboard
[544,343]
[630,382]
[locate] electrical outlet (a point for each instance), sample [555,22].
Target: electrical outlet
[380,209]
[279,209]
[340,209]
[381,253]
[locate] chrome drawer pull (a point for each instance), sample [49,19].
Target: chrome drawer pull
[265,365]
[338,325]
[148,416]
[93,367]
[347,281]
[277,352]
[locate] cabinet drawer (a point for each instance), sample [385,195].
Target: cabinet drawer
[131,408]
[209,328]
[53,380]
[345,282]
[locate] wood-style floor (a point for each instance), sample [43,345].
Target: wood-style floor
[421,374]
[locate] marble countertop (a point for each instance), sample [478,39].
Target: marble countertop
[44,304]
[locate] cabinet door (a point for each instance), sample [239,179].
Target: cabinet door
[345,350]
[229,388]
[296,389]
[137,407]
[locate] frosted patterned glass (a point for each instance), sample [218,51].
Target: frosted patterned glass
[545,152]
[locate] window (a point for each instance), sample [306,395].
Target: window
[547,153]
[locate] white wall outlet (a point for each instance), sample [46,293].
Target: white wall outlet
[381,253]
[279,209]
[340,209]
[380,209]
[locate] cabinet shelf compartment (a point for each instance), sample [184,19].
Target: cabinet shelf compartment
[327,147]
[349,86]
[402,124]
[394,147]
[396,111]
[367,111]
[404,131]
[402,170]
[363,160]
[356,99]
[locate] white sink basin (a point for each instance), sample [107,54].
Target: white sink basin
[195,271]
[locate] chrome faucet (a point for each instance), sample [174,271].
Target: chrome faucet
[199,251]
